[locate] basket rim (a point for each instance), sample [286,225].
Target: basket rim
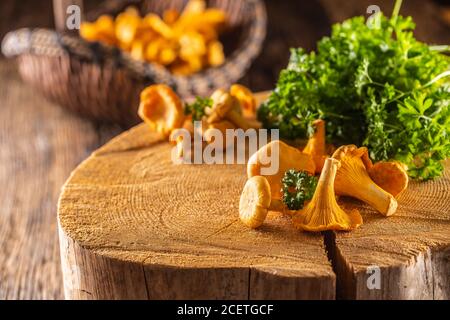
[48,42]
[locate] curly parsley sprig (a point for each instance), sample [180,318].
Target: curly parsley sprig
[375,85]
[298,187]
[197,108]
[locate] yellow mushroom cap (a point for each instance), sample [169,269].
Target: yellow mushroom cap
[222,126]
[288,158]
[100,30]
[161,109]
[255,202]
[223,102]
[316,145]
[216,55]
[170,16]
[352,179]
[126,26]
[194,7]
[323,212]
[390,176]
[158,25]
[245,98]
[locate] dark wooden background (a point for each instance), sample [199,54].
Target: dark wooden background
[41,144]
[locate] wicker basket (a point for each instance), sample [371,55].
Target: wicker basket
[103,83]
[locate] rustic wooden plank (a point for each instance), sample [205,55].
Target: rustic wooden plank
[118,278]
[40,144]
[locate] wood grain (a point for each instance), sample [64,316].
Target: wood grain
[29,271]
[411,248]
[29,197]
[40,145]
[128,213]
[177,227]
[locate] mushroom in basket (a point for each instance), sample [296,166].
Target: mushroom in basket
[185,42]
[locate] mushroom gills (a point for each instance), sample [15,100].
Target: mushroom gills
[323,212]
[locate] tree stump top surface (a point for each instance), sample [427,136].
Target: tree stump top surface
[129,202]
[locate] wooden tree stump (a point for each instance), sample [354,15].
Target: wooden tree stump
[411,248]
[135,226]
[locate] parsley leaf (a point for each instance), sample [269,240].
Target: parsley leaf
[197,108]
[298,187]
[375,85]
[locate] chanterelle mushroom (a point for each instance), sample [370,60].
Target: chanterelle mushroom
[390,176]
[161,109]
[288,158]
[323,212]
[222,104]
[222,126]
[176,136]
[256,201]
[353,180]
[316,145]
[246,99]
[227,107]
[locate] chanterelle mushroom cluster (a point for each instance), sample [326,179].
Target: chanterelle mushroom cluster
[323,212]
[348,172]
[163,110]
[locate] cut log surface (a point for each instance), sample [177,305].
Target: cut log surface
[135,226]
[410,251]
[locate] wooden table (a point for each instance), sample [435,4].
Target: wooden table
[40,145]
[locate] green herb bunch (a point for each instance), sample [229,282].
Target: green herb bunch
[375,85]
[197,108]
[298,187]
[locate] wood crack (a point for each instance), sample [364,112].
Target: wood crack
[222,229]
[249,283]
[145,282]
[329,241]
[425,276]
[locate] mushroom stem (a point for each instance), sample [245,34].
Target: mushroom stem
[323,212]
[256,202]
[227,107]
[316,145]
[353,180]
[273,160]
[374,196]
[222,104]
[246,99]
[277,205]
